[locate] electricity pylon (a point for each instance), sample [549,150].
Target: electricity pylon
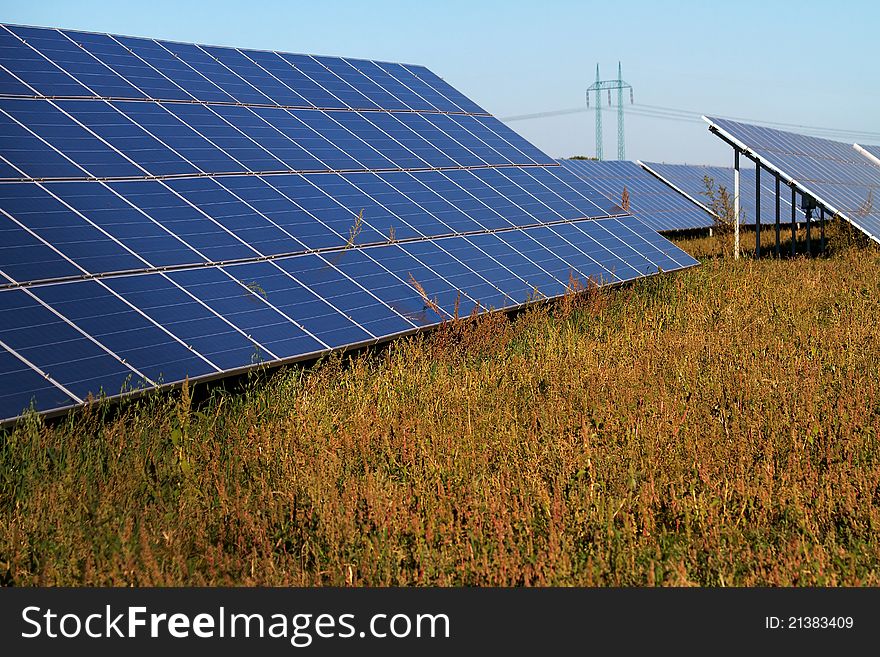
[599,86]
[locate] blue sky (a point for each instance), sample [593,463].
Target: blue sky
[806,63]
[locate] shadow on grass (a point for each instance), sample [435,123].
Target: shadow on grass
[838,236]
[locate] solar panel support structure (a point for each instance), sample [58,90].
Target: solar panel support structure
[757,209]
[778,248]
[808,204]
[736,204]
[793,219]
[822,169]
[822,228]
[809,217]
[690,182]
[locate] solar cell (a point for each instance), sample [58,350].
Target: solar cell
[690,181]
[650,200]
[173,211]
[834,173]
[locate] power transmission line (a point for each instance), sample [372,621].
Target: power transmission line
[543,115]
[673,110]
[690,116]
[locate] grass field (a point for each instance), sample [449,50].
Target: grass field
[715,427]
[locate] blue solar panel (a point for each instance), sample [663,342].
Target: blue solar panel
[833,173]
[173,211]
[126,139]
[36,334]
[23,386]
[691,181]
[152,328]
[650,200]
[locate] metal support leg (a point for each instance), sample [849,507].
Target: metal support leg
[757,209]
[809,218]
[777,217]
[793,219]
[736,204]
[809,222]
[822,227]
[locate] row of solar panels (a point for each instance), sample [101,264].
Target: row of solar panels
[679,197]
[67,229]
[57,230]
[66,341]
[653,202]
[214,237]
[71,64]
[843,178]
[693,182]
[100,139]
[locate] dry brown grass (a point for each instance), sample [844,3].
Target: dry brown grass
[715,427]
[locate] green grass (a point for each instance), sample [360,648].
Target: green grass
[716,427]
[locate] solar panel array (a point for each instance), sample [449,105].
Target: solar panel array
[650,200]
[172,211]
[832,172]
[690,180]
